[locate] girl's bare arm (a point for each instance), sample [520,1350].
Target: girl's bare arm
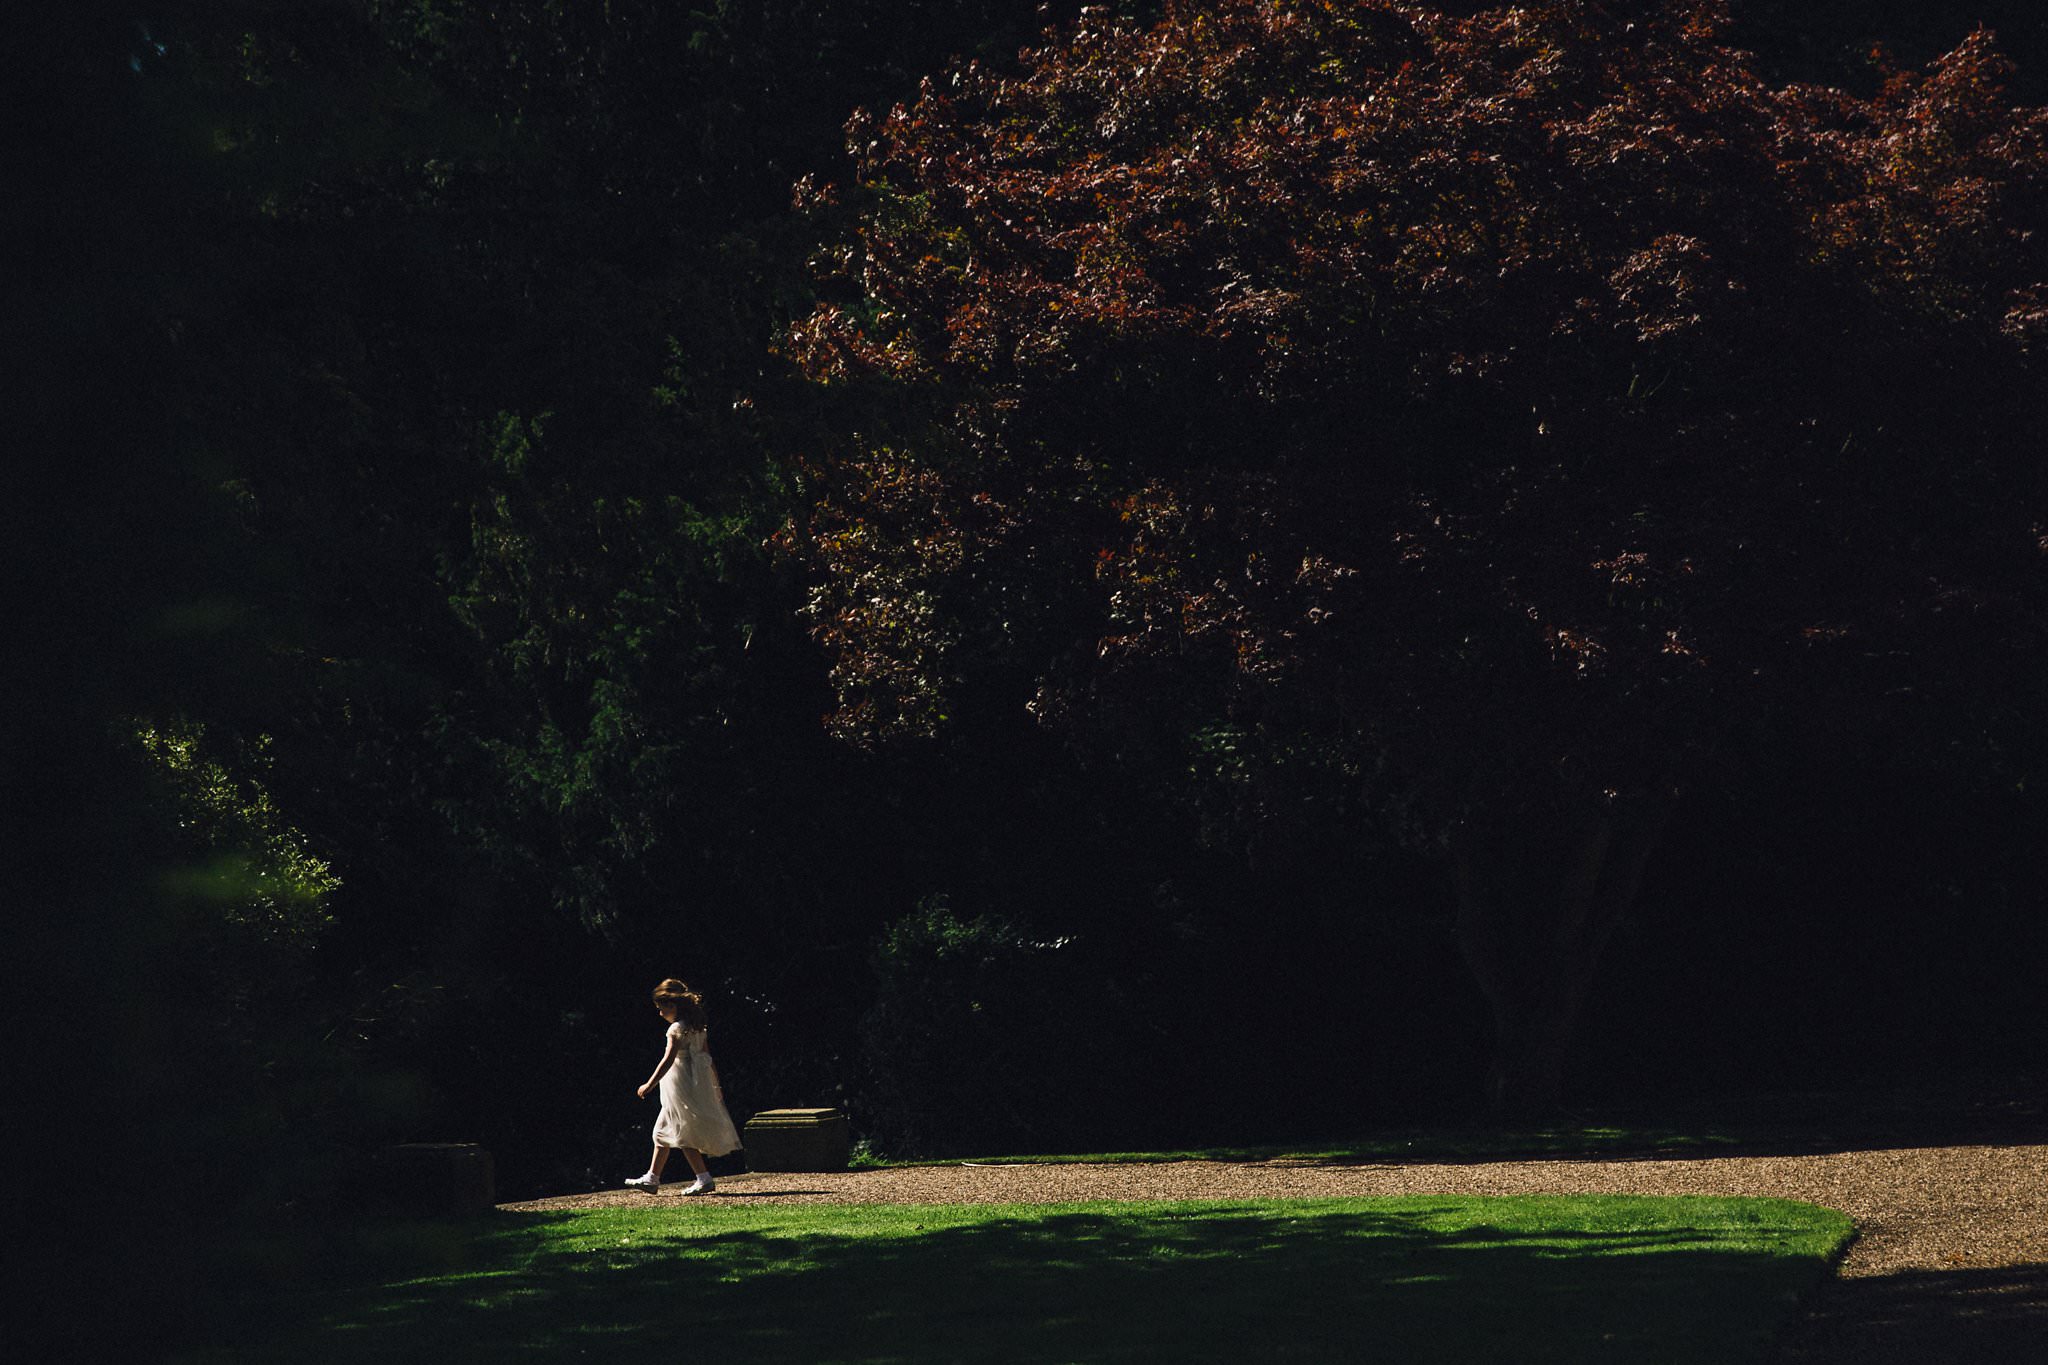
[668,1057]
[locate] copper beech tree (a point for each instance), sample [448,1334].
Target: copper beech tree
[1505,414]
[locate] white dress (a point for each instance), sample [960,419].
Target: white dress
[692,1104]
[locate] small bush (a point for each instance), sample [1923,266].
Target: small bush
[981,1038]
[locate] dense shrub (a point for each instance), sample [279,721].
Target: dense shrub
[982,1039]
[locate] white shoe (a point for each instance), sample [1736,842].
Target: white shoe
[650,1183]
[703,1184]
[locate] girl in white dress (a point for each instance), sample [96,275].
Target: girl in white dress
[693,1115]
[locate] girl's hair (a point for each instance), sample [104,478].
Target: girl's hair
[689,1005]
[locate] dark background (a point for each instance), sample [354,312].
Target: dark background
[397,407]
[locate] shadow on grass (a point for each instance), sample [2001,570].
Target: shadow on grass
[1927,1317]
[1421,1284]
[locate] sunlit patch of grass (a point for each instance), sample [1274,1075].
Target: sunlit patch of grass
[1437,1279]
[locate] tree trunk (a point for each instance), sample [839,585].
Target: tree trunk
[1534,951]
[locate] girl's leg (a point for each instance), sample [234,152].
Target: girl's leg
[703,1184]
[652,1180]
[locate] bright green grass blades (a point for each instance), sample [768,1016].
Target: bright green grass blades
[1400,1280]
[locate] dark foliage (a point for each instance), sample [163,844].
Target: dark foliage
[1501,422]
[408,411]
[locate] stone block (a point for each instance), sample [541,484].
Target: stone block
[797,1140]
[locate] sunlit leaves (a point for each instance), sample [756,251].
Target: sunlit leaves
[1537,335]
[242,858]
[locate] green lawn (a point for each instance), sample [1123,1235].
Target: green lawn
[1529,1280]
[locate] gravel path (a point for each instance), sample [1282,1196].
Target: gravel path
[1951,1264]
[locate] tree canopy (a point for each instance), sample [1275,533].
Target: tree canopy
[1506,412]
